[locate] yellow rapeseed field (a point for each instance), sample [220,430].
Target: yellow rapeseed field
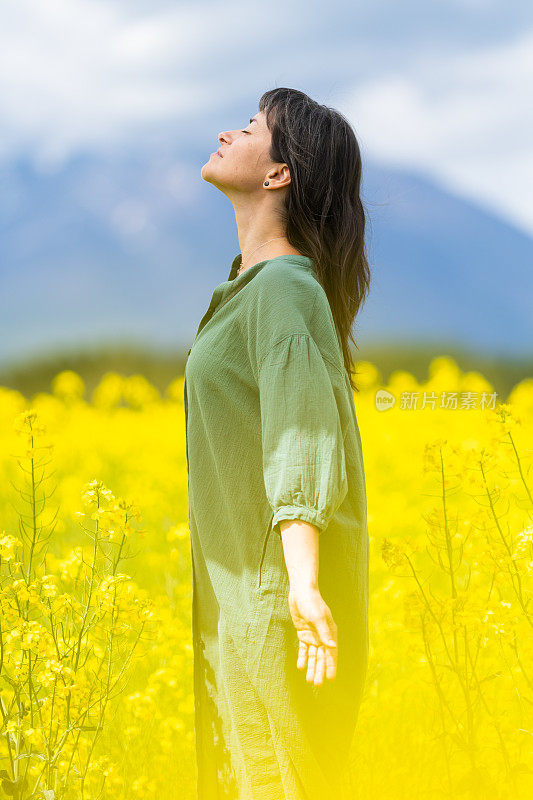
[95,587]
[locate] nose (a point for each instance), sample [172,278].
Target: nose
[224,137]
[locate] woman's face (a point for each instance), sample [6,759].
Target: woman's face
[242,162]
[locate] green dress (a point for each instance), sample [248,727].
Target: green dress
[272,434]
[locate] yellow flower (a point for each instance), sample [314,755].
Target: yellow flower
[392,554]
[8,545]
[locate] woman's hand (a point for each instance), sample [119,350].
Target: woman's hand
[312,618]
[317,633]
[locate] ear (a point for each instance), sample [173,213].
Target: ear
[280,177]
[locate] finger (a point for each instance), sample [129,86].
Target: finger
[331,663]
[327,630]
[320,666]
[302,656]
[311,661]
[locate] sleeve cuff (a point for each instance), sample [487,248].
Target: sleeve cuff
[304,513]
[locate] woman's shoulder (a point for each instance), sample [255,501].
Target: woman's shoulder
[289,267]
[285,288]
[288,300]
[291,280]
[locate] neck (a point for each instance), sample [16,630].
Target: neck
[257,222]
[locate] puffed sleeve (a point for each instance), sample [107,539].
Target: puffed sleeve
[303,446]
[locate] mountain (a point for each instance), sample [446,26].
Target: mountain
[446,270]
[130,246]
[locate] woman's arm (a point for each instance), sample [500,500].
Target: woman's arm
[315,627]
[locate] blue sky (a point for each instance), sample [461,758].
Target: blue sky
[439,88]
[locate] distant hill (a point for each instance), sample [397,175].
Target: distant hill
[161,368]
[129,249]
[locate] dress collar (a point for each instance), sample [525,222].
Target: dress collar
[235,266]
[305,261]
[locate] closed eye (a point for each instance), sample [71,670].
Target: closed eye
[245,131]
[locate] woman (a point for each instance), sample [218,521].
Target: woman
[275,467]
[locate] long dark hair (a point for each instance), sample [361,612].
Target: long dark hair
[323,215]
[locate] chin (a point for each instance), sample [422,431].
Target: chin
[205,171]
[209,177]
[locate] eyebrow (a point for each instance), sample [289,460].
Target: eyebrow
[252,119]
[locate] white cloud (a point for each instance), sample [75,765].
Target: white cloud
[91,74]
[80,74]
[464,119]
